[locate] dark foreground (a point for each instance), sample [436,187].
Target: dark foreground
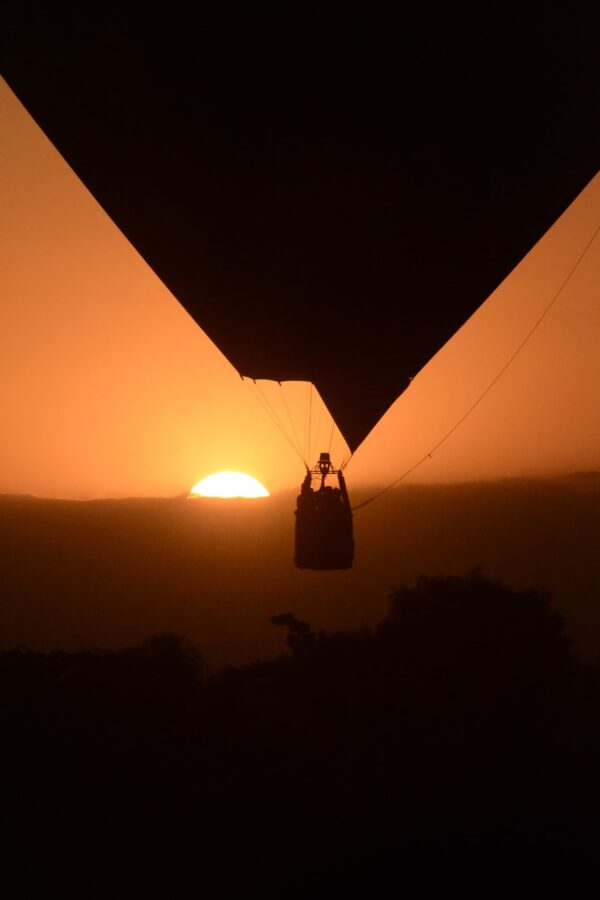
[453,748]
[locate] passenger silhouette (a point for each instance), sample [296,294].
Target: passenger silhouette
[324,538]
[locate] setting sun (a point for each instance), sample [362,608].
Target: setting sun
[227,485]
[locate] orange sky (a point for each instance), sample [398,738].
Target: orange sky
[109,388]
[543,415]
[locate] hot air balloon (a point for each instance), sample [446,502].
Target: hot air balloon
[330,196]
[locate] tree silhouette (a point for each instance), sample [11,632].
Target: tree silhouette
[452,741]
[300,636]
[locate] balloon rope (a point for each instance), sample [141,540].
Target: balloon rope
[317,430]
[331,434]
[293,427]
[346,460]
[310,395]
[494,381]
[272,414]
[338,434]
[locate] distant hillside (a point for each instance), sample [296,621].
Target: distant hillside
[111,572]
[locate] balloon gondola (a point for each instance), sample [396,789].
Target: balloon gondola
[324,538]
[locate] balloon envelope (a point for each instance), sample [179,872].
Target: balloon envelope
[330,198]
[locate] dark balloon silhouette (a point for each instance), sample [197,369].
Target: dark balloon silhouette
[319,189]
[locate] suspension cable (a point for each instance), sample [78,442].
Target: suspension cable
[291,421]
[309,429]
[266,405]
[346,460]
[492,383]
[331,434]
[318,428]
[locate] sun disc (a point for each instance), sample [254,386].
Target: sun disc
[228,485]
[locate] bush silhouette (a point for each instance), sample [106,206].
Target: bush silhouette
[461,721]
